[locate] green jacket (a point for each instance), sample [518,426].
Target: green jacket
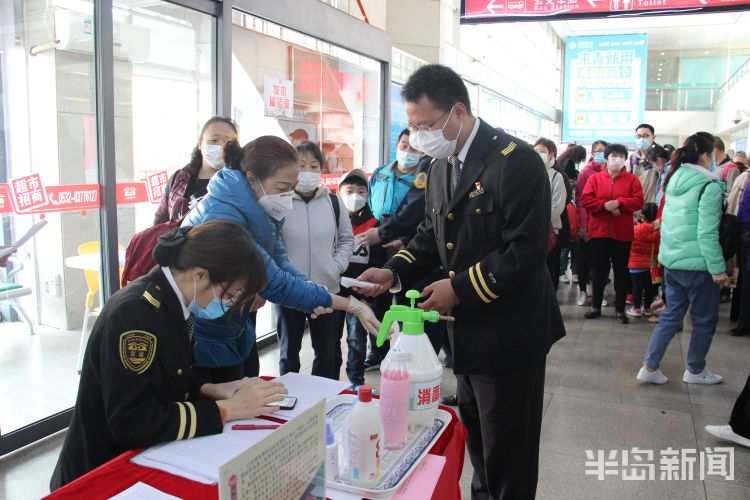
[690,221]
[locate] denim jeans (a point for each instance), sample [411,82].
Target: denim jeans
[694,289]
[356,340]
[569,254]
[290,328]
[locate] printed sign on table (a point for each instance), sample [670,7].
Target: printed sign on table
[278,97]
[289,463]
[605,87]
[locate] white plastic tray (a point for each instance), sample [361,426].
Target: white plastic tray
[395,465]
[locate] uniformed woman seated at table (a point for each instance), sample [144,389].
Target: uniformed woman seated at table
[137,388]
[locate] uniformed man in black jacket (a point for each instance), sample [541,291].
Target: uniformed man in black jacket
[487,224]
[137,387]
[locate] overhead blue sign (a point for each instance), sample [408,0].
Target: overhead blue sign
[399,121]
[605,87]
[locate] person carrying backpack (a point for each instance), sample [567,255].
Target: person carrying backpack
[320,242]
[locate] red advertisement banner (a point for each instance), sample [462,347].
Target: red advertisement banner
[28,195]
[478,11]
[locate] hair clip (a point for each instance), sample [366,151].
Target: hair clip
[174,237]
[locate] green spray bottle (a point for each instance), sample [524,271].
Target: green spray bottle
[423,365]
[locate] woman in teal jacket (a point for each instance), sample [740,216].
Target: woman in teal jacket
[692,258]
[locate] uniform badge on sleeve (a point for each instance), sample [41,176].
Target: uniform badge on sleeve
[137,350]
[420,180]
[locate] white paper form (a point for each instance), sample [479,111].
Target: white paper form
[142,491]
[199,459]
[308,390]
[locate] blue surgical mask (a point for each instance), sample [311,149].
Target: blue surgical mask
[599,158]
[407,159]
[642,143]
[214,309]
[712,168]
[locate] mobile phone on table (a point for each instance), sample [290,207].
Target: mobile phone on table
[288,403]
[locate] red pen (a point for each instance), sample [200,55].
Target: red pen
[253,427]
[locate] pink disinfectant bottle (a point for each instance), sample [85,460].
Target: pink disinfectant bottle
[394,399]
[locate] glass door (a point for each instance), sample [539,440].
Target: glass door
[50,286]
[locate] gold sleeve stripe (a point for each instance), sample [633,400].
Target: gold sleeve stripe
[407,252]
[150,298]
[484,283]
[509,149]
[183,422]
[407,259]
[193,419]
[476,286]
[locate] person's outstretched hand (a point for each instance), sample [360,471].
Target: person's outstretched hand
[364,314]
[381,278]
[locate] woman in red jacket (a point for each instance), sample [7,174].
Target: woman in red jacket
[611,197]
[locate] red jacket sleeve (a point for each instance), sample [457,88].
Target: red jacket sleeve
[634,200]
[589,200]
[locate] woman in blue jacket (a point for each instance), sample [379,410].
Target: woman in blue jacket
[255,191]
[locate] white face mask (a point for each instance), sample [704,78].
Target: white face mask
[213,154]
[354,202]
[545,160]
[308,181]
[277,206]
[615,164]
[433,142]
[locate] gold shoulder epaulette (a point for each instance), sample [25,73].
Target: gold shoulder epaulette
[153,295]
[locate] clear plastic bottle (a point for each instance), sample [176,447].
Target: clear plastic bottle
[394,400]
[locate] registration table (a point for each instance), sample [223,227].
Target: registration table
[119,473]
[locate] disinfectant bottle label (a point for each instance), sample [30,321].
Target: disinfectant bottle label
[424,395]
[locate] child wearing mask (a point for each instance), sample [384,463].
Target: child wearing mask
[353,189]
[644,248]
[319,242]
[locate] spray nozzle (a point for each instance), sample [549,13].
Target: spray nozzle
[412,317]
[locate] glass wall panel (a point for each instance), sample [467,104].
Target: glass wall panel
[48,175]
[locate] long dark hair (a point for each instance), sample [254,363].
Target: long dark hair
[196,158]
[576,153]
[261,157]
[694,146]
[223,248]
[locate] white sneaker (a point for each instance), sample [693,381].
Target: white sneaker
[604,302]
[704,377]
[564,278]
[575,278]
[582,299]
[726,433]
[656,377]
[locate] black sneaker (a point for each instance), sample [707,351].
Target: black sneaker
[621,318]
[593,313]
[372,364]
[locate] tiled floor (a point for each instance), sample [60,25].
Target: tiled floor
[592,402]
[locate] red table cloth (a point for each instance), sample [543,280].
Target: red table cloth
[119,473]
